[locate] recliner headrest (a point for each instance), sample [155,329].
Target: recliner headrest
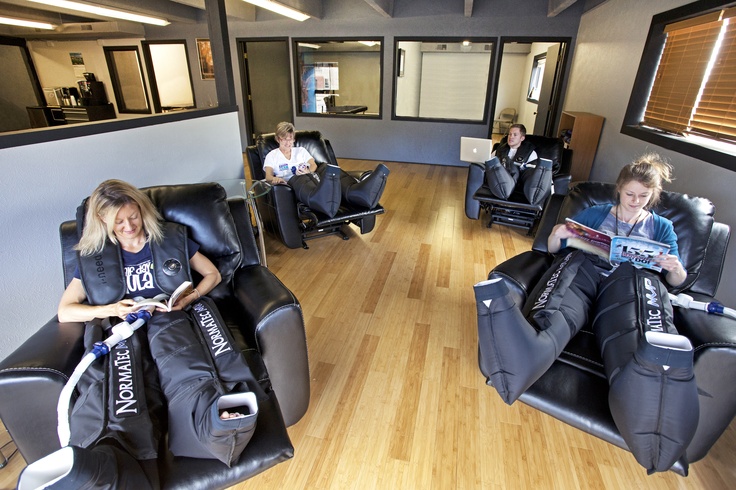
[204,210]
[312,141]
[692,218]
[546,147]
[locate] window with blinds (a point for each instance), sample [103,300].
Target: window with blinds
[694,90]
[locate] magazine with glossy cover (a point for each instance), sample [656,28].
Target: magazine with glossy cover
[639,251]
[588,239]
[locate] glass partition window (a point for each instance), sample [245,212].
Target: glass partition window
[339,77]
[170,75]
[443,79]
[127,79]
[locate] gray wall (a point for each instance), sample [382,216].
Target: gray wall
[609,46]
[42,185]
[385,139]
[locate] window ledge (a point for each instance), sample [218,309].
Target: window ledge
[716,153]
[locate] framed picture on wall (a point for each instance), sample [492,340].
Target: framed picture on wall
[206,67]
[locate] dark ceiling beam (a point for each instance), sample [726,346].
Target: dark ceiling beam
[556,7]
[468,8]
[383,7]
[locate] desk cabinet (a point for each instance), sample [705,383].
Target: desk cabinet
[585,132]
[88,113]
[42,117]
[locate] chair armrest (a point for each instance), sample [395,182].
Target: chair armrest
[561,183]
[31,379]
[714,340]
[277,323]
[548,221]
[522,272]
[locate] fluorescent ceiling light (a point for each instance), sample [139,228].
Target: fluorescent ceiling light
[370,44]
[104,11]
[279,9]
[309,45]
[26,23]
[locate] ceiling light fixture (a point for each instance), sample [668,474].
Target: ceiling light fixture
[26,23]
[279,9]
[104,11]
[309,45]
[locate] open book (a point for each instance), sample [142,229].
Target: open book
[639,251]
[161,301]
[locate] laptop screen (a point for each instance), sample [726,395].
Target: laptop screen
[475,150]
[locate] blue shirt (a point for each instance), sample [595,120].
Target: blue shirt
[138,271]
[664,232]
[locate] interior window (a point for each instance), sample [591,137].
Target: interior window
[126,74]
[340,77]
[442,79]
[683,96]
[170,75]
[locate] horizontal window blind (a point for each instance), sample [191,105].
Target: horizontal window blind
[680,75]
[715,114]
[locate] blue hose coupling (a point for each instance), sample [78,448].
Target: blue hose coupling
[100,349]
[144,315]
[715,307]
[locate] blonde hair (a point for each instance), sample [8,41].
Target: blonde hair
[102,208]
[651,171]
[284,129]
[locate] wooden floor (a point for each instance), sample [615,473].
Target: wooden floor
[398,401]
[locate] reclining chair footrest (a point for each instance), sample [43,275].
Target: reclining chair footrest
[323,232]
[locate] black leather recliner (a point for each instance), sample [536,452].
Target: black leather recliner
[263,315]
[575,388]
[290,220]
[516,211]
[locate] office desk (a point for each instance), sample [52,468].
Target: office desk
[347,109]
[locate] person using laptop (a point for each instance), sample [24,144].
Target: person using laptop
[515,163]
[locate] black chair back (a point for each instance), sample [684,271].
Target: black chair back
[312,141]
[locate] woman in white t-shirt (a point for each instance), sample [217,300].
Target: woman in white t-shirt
[323,187]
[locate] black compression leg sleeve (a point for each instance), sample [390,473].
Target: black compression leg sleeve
[365,192]
[321,193]
[120,398]
[513,354]
[74,468]
[203,373]
[653,395]
[500,181]
[538,182]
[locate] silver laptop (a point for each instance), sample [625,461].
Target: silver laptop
[475,150]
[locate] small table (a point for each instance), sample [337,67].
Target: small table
[256,189]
